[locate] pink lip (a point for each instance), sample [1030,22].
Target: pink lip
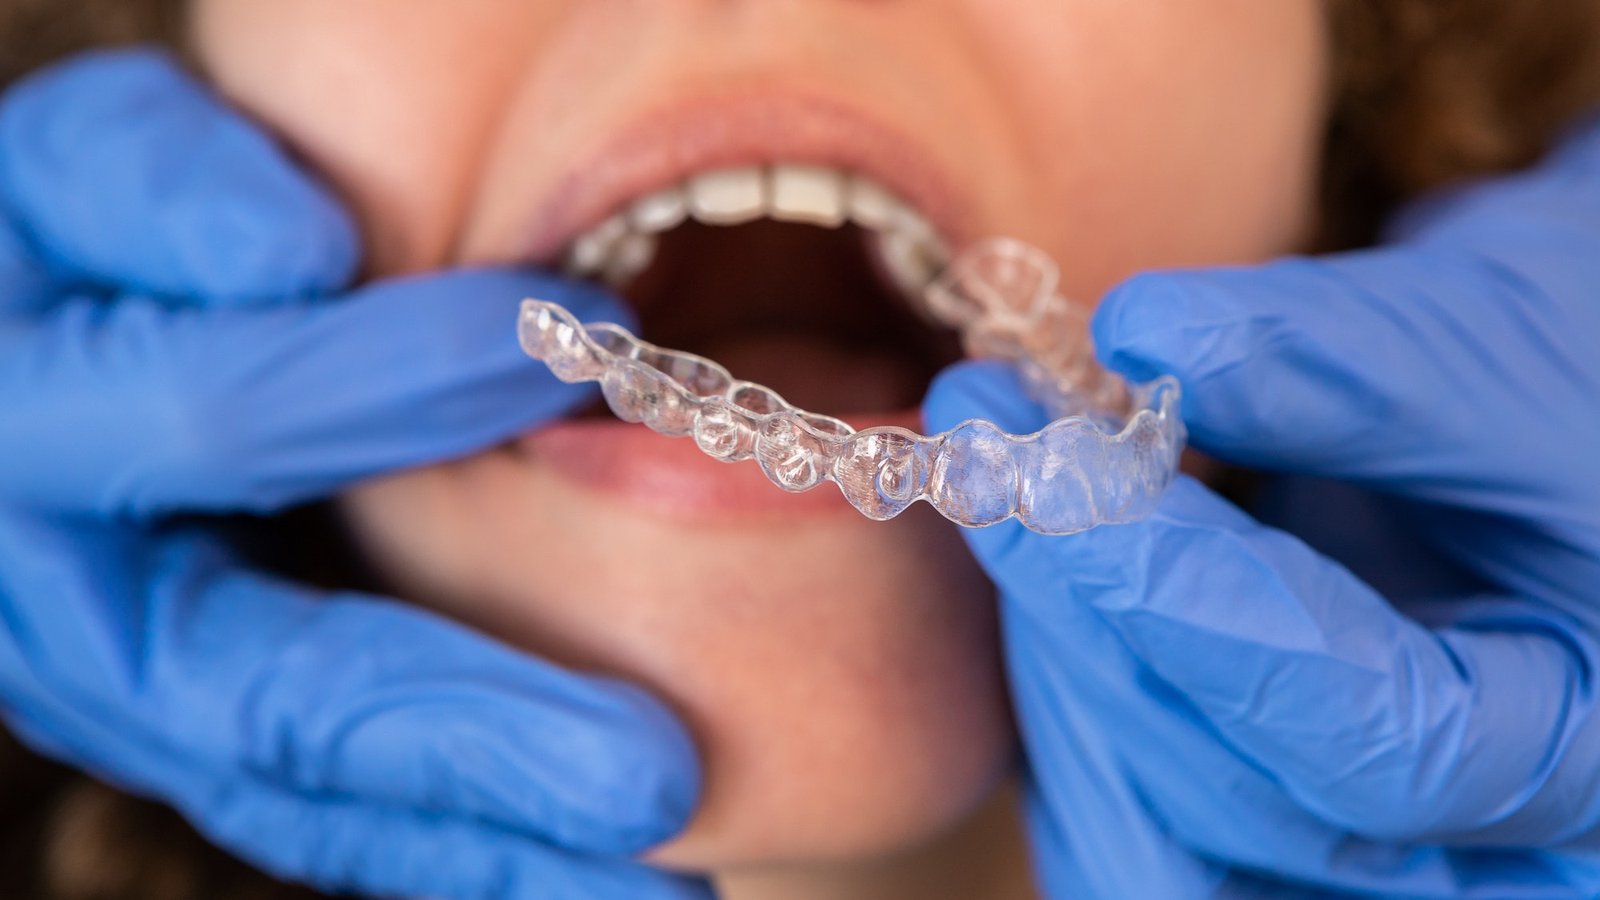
[760,125]
[747,128]
[672,477]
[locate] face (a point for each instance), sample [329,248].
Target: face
[840,675]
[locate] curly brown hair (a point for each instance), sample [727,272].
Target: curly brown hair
[1426,93]
[1431,92]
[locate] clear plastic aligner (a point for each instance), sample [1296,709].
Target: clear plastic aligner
[1107,457]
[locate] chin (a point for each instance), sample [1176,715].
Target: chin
[841,677]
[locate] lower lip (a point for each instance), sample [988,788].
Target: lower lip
[672,477]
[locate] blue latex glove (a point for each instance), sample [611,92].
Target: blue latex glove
[1213,708]
[168,342]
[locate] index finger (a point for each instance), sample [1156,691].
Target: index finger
[1459,360]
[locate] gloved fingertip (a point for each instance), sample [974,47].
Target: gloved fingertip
[588,764]
[1109,567]
[466,321]
[399,373]
[642,779]
[1148,326]
[304,245]
[981,389]
[173,193]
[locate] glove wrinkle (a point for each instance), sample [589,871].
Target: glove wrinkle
[1355,749]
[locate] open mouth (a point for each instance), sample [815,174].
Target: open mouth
[788,237]
[805,278]
[778,286]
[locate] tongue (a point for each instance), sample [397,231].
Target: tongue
[821,376]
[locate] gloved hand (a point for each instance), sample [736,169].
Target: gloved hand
[1211,707]
[169,343]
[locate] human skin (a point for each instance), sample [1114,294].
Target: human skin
[840,676]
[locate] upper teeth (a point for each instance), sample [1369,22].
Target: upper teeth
[623,245]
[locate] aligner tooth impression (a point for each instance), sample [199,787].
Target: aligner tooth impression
[1107,458]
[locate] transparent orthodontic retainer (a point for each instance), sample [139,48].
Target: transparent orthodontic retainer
[1106,458]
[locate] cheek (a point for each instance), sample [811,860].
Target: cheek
[1155,133]
[840,676]
[360,88]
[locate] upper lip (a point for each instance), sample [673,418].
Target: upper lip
[749,128]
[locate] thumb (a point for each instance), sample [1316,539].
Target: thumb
[1369,720]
